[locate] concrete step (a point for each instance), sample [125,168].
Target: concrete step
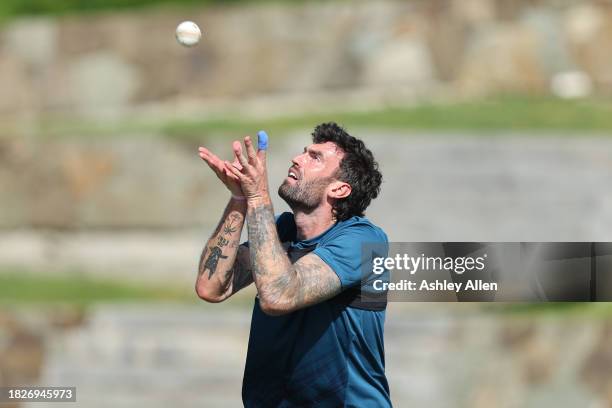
[184,356]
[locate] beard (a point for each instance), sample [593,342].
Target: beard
[304,195]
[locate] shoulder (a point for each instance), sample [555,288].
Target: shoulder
[343,248]
[356,229]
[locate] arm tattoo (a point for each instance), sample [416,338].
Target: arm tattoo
[222,242]
[225,229]
[213,260]
[263,239]
[201,263]
[229,228]
[221,253]
[279,282]
[317,282]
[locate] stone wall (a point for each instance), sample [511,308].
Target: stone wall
[184,356]
[436,186]
[143,208]
[107,64]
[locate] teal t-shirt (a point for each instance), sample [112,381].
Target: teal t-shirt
[330,354]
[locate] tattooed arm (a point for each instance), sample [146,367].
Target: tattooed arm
[284,287]
[224,265]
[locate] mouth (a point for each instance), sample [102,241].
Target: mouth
[292,174]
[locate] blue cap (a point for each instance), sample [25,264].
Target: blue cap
[262,140]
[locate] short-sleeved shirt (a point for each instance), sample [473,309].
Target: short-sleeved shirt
[327,355]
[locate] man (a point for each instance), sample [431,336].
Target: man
[313,341]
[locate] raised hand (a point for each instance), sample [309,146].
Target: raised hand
[217,165]
[251,171]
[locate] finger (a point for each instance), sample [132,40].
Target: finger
[262,145]
[238,153]
[230,175]
[219,171]
[237,164]
[205,154]
[206,151]
[213,161]
[206,157]
[234,171]
[250,151]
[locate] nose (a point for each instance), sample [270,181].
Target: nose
[295,160]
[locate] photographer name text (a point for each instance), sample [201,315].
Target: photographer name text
[437,285]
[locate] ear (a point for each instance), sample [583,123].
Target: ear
[339,189]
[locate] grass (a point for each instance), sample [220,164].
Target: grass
[502,113]
[10,9]
[28,288]
[516,114]
[32,289]
[551,309]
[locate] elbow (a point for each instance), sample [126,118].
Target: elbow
[207,295]
[273,308]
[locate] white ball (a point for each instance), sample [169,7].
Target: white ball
[188,33]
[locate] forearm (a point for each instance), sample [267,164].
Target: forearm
[215,271]
[273,272]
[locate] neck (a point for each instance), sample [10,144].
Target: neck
[313,223]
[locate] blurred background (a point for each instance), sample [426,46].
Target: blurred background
[491,120]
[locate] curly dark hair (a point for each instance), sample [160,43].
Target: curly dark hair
[357,168]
